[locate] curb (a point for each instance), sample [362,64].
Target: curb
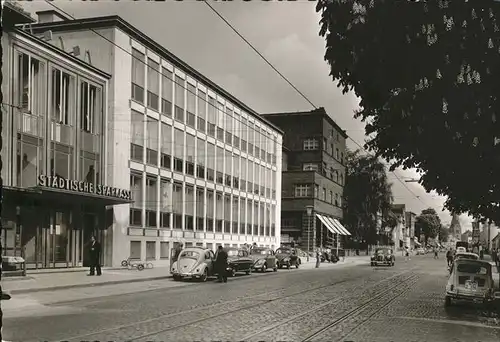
[75,286]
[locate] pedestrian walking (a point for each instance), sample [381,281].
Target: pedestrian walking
[318,258]
[407,253]
[449,257]
[95,256]
[481,254]
[436,252]
[178,250]
[221,264]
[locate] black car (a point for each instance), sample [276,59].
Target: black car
[383,256]
[287,257]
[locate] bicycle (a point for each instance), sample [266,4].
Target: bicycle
[138,264]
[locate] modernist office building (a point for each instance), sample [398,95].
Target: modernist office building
[55,193]
[203,168]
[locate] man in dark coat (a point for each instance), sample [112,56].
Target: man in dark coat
[95,256]
[221,264]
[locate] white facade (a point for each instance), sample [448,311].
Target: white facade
[159,150]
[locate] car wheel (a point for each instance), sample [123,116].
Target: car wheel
[287,265]
[204,277]
[297,265]
[299,261]
[447,301]
[249,271]
[233,272]
[124,263]
[264,268]
[177,278]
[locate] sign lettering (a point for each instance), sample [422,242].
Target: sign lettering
[83,187]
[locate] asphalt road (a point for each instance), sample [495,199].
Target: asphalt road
[357,303]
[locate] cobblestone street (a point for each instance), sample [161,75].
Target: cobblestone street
[355,303]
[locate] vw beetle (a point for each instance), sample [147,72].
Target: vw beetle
[238,260]
[287,257]
[194,263]
[263,259]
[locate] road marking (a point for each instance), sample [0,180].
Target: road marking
[448,321]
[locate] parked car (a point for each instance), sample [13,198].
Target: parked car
[263,259]
[287,257]
[466,255]
[383,256]
[194,263]
[238,261]
[421,251]
[471,280]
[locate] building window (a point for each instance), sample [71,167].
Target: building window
[250,176]
[178,150]
[189,207]
[191,105]
[228,124]
[138,75]
[311,144]
[337,200]
[337,154]
[220,166]
[220,121]
[236,171]
[136,147]
[234,214]
[244,134]
[32,83]
[341,179]
[227,214]
[249,217]
[210,210]
[152,142]
[342,157]
[135,250]
[316,191]
[212,116]
[190,152]
[303,190]
[29,160]
[166,146]
[219,212]
[331,196]
[177,202]
[62,97]
[136,207]
[165,203]
[310,167]
[323,195]
[202,111]
[242,213]
[90,108]
[228,158]
[210,162]
[150,250]
[153,84]
[243,177]
[200,205]
[164,250]
[61,162]
[89,167]
[200,158]
[236,129]
[166,92]
[179,99]
[151,201]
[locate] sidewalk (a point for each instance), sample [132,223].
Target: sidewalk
[77,278]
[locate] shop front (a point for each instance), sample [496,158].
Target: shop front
[50,225]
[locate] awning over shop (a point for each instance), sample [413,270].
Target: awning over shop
[341,227]
[327,224]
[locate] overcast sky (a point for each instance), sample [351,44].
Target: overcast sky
[286,33]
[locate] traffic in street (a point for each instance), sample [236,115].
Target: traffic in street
[404,302]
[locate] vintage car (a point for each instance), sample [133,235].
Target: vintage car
[471,280]
[461,250]
[263,259]
[287,257]
[238,260]
[383,256]
[194,263]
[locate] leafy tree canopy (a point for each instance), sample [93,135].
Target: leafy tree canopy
[367,193]
[444,233]
[428,223]
[428,77]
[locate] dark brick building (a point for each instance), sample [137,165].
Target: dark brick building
[313,175]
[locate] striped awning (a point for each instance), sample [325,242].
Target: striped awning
[327,223]
[341,227]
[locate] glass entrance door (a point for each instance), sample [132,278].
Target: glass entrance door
[55,238]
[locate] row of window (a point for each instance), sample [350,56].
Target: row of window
[165,203]
[69,95]
[197,157]
[312,144]
[306,190]
[328,172]
[189,105]
[164,252]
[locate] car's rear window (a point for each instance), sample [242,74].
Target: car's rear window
[190,254]
[472,269]
[467,256]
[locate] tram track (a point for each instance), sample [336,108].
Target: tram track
[288,321]
[223,305]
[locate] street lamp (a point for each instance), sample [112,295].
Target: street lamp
[309,210]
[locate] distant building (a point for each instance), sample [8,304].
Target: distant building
[313,175]
[410,218]
[466,237]
[399,235]
[455,227]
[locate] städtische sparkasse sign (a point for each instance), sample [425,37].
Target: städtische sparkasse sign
[60,183]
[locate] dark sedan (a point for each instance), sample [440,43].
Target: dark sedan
[383,256]
[287,257]
[238,261]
